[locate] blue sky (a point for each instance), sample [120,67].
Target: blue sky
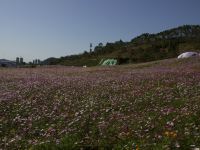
[53,28]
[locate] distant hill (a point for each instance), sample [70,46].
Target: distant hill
[143,48]
[7,63]
[50,61]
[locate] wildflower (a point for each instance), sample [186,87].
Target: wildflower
[135,146]
[177,145]
[171,134]
[166,133]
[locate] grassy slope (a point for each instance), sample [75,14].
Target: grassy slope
[155,105]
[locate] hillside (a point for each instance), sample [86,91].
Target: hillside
[146,47]
[153,105]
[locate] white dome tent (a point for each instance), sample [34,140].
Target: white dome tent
[188,54]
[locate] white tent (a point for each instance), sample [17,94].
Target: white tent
[188,54]
[109,62]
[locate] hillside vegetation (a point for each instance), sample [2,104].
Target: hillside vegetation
[152,105]
[146,47]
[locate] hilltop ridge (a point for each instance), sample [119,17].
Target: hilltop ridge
[143,48]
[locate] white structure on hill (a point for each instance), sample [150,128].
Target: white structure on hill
[188,54]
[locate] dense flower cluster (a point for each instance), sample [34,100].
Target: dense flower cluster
[150,105]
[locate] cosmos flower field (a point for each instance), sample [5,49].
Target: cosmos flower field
[141,106]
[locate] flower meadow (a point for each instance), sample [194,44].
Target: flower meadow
[152,105]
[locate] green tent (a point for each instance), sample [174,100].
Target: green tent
[109,62]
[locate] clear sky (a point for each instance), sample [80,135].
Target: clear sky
[53,28]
